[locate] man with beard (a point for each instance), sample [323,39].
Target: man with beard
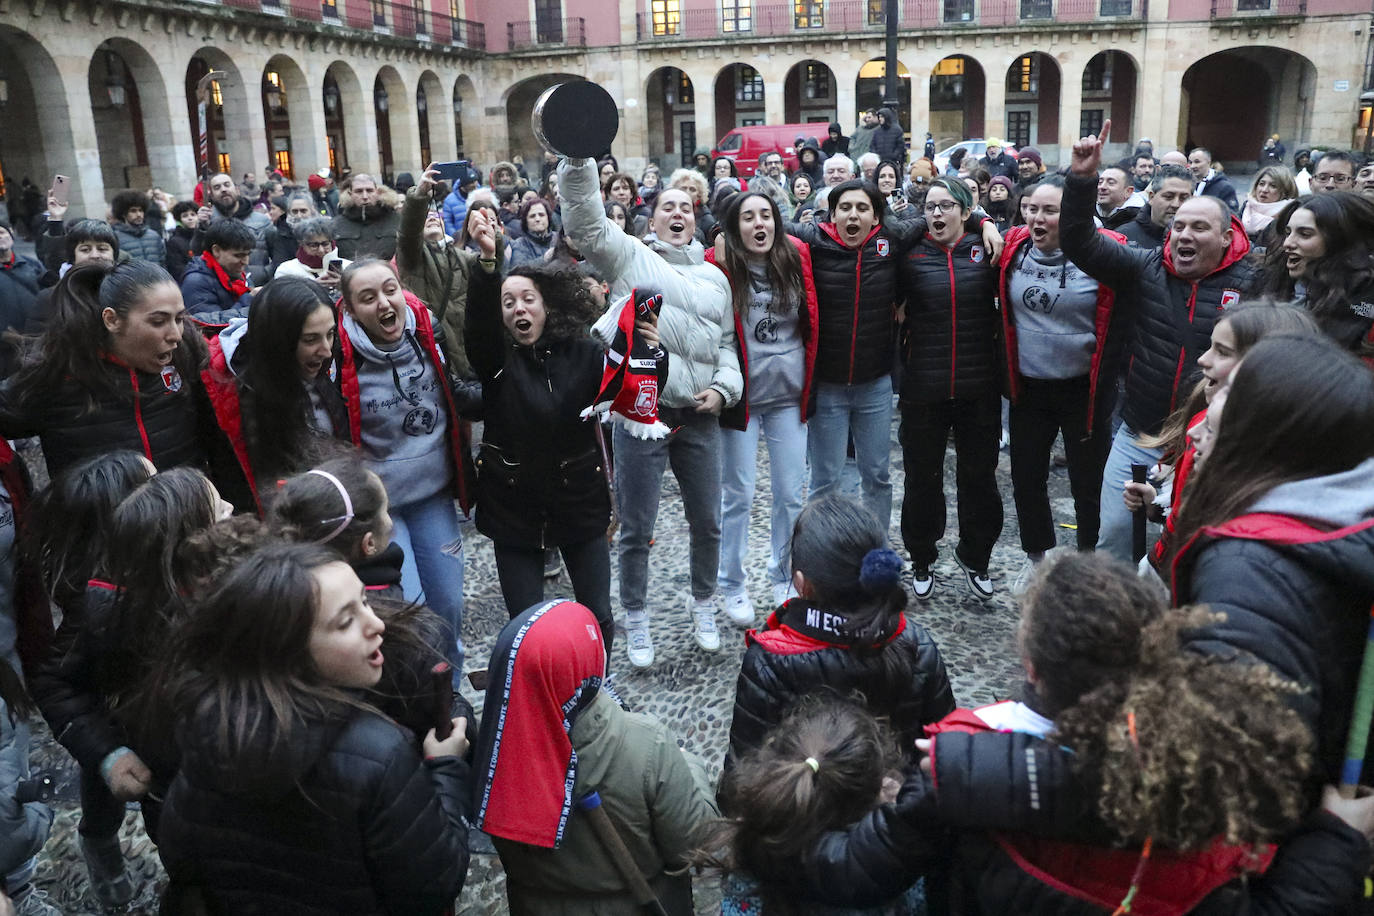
[367,222]
[1169,187]
[227,203]
[135,235]
[997,162]
[1030,167]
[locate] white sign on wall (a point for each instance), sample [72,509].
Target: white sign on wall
[1341,86]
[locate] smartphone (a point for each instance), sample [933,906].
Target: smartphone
[441,694]
[452,171]
[334,265]
[59,190]
[896,195]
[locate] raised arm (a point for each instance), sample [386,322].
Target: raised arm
[482,323]
[1105,261]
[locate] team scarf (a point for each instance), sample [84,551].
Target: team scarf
[634,372]
[238,286]
[546,668]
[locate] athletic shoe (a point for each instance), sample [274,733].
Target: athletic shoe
[923,582]
[639,645]
[553,563]
[740,609]
[105,866]
[783,593]
[704,614]
[979,582]
[33,902]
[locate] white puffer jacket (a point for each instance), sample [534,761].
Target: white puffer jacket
[696,325]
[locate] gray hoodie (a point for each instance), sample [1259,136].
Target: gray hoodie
[1341,500]
[404,421]
[230,339]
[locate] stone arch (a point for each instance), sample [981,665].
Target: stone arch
[1032,96]
[1110,86]
[740,97]
[158,146]
[958,88]
[52,147]
[289,124]
[349,122]
[1232,99]
[810,92]
[671,109]
[870,89]
[436,122]
[397,125]
[465,109]
[228,106]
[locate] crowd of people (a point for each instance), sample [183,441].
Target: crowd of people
[262,412]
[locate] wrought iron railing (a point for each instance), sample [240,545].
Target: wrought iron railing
[402,18]
[1228,8]
[527,33]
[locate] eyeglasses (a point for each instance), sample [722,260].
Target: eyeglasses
[1326,178]
[325,245]
[941,206]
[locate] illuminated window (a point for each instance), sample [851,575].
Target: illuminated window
[736,15]
[808,14]
[748,84]
[224,165]
[330,8]
[684,90]
[817,81]
[282,158]
[877,12]
[667,16]
[215,95]
[1024,75]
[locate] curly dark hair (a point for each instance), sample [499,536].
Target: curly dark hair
[1081,620]
[1217,751]
[568,304]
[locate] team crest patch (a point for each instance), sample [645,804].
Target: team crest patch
[1230,297]
[976,255]
[646,402]
[883,248]
[171,378]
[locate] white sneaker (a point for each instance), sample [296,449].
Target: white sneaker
[740,609]
[1022,580]
[922,582]
[704,613]
[979,582]
[639,645]
[783,593]
[34,903]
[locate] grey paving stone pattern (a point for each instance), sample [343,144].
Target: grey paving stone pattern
[691,690]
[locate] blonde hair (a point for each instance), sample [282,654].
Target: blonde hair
[691,181]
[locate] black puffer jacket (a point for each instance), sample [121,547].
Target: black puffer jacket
[540,475]
[1024,788]
[1295,597]
[164,416]
[801,650]
[348,819]
[1142,232]
[142,242]
[1174,317]
[856,289]
[951,336]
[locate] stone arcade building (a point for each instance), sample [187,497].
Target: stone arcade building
[104,90]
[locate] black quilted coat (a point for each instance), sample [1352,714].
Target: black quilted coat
[951,337]
[1174,317]
[348,819]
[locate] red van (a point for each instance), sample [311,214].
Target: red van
[746,144]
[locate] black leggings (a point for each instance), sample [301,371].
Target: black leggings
[521,571]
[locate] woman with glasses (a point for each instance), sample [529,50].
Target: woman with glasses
[317,258]
[952,380]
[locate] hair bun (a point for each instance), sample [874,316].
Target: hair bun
[881,570]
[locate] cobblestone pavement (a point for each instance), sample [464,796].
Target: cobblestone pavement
[692,691]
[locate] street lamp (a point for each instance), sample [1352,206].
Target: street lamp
[114,79]
[457,104]
[421,103]
[331,99]
[379,98]
[273,91]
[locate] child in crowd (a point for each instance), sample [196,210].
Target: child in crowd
[402,414]
[847,633]
[821,768]
[294,794]
[24,820]
[552,738]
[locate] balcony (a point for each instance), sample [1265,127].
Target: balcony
[397,19]
[570,32]
[796,19]
[1226,9]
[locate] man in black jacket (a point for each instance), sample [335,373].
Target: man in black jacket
[1169,187]
[1210,181]
[1182,290]
[889,142]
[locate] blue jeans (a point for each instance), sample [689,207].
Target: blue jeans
[693,450]
[785,433]
[1114,530]
[433,568]
[865,411]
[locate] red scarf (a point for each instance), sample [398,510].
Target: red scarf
[311,260]
[10,262]
[238,286]
[634,373]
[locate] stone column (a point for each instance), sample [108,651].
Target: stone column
[75,154]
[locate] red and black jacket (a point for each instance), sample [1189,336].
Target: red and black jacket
[737,417]
[32,611]
[459,430]
[1106,329]
[949,340]
[1295,596]
[803,648]
[223,391]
